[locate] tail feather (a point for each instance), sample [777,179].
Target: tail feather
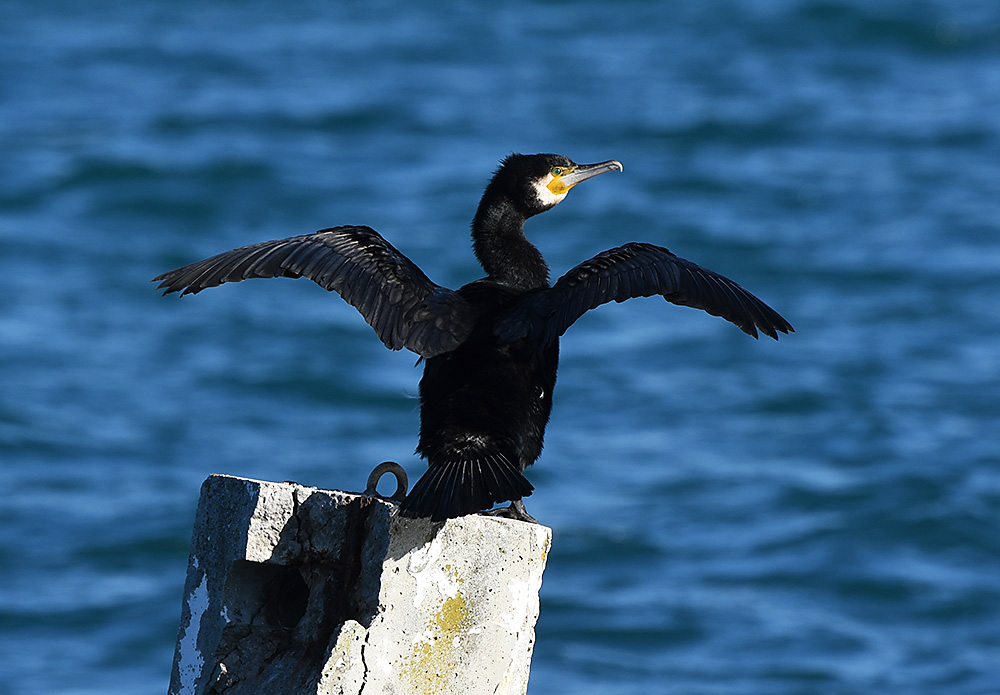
[456,488]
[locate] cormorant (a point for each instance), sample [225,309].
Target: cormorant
[491,348]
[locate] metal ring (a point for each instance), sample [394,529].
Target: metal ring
[401,481]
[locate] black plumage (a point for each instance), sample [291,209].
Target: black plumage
[491,348]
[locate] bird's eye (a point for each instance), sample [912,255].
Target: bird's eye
[557,171]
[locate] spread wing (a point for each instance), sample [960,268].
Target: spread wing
[635,270]
[393,295]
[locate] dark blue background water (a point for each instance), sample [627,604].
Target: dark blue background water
[818,515]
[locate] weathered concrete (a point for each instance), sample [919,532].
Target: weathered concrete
[295,590]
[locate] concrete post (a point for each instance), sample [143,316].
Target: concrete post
[293,590]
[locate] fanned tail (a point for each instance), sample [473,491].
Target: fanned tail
[455,488]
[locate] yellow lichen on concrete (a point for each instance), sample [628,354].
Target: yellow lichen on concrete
[344,664]
[453,616]
[433,667]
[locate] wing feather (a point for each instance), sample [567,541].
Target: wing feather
[393,295]
[635,270]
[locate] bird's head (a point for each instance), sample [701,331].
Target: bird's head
[537,182]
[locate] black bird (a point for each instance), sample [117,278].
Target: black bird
[491,348]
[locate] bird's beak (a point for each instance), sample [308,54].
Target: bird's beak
[562,183]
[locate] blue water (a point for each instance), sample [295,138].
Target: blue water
[818,515]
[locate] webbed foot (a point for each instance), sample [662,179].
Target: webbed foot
[515,510]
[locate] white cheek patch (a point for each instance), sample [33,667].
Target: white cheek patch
[546,197]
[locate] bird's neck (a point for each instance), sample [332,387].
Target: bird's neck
[502,249]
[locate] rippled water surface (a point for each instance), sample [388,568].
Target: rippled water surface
[817,515]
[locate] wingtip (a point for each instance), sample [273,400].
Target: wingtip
[771,330]
[164,280]
[165,286]
[784,329]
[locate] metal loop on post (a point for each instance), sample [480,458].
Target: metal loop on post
[401,481]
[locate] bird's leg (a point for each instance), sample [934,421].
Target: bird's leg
[515,510]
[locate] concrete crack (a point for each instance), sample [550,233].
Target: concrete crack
[364,664]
